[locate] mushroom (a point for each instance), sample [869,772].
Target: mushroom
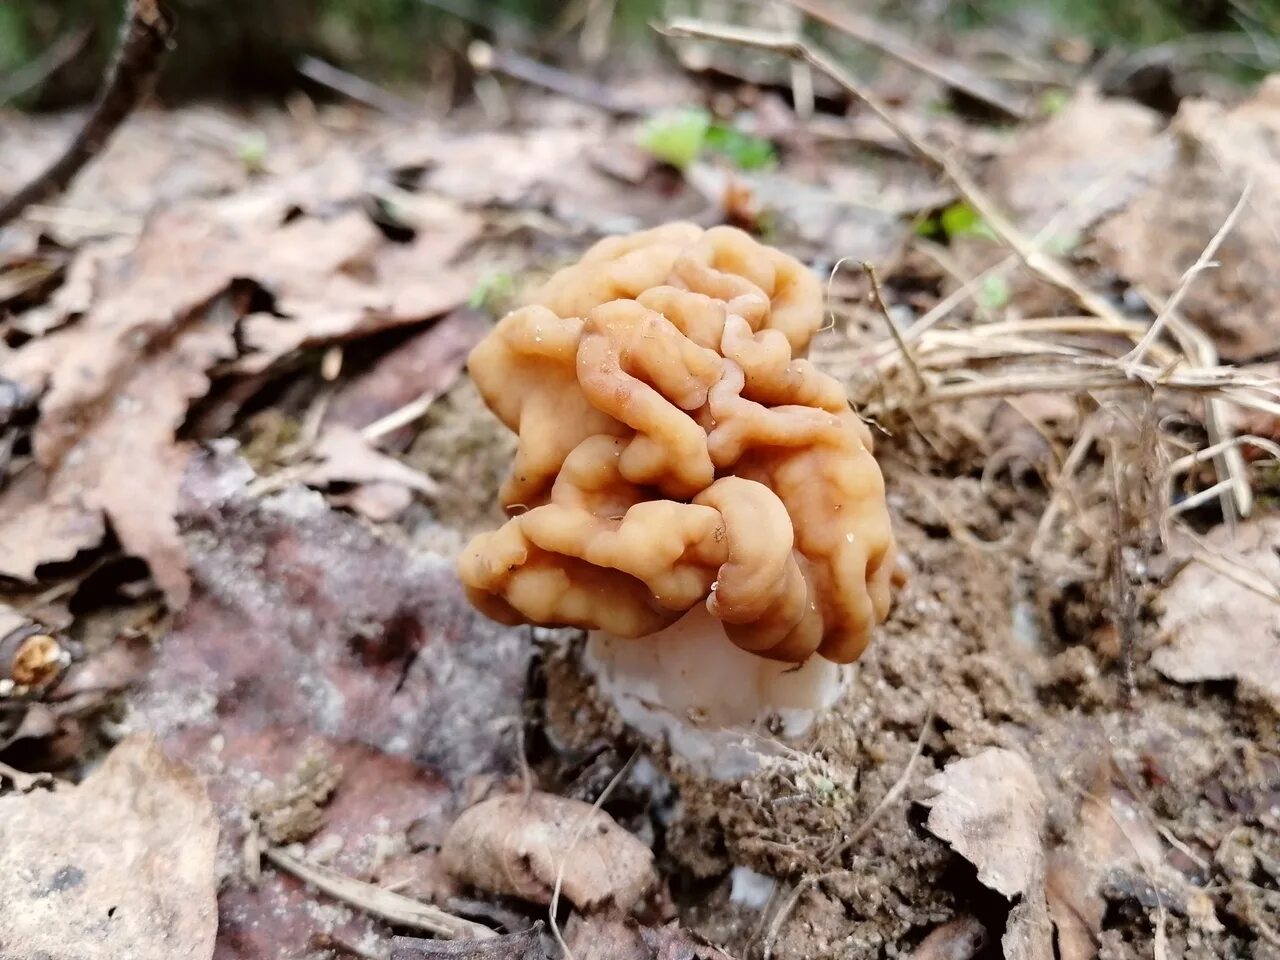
[687,487]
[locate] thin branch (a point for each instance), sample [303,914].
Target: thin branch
[877,297]
[392,907]
[356,88]
[144,39]
[488,59]
[876,35]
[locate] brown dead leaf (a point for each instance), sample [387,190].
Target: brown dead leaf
[1091,157]
[342,455]
[1222,622]
[1154,241]
[428,363]
[990,809]
[514,946]
[396,286]
[119,382]
[304,628]
[120,866]
[517,844]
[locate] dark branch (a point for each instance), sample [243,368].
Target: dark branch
[144,39]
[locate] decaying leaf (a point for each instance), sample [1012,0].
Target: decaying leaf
[118,383]
[990,808]
[426,364]
[306,631]
[1088,159]
[527,945]
[120,866]
[1221,615]
[1153,242]
[518,844]
[343,455]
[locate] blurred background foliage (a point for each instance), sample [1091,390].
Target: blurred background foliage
[242,48]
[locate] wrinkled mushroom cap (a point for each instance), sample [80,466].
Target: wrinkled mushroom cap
[675,449]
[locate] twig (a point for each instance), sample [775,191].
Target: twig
[33,74]
[144,39]
[855,838]
[487,59]
[554,907]
[414,410]
[877,297]
[1202,352]
[1123,602]
[950,72]
[356,88]
[1204,262]
[392,907]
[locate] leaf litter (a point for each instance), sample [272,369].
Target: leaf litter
[1111,783]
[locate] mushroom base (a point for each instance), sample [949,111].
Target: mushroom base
[720,708]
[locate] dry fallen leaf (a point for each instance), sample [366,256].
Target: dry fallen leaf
[389,672]
[1218,626]
[119,382]
[991,810]
[343,455]
[517,844]
[427,364]
[1153,242]
[1091,157]
[120,866]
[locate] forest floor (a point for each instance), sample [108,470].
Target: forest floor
[239,452]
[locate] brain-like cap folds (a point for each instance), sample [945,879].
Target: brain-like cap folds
[675,448]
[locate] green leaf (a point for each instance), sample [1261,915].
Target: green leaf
[676,136]
[1052,101]
[492,292]
[961,219]
[744,151]
[253,151]
[995,292]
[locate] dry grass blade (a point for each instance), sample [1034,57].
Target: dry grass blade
[951,72]
[392,907]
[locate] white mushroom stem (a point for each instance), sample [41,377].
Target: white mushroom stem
[720,708]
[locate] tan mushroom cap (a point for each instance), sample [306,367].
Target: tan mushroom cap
[675,450]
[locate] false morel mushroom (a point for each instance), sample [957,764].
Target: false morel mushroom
[687,486]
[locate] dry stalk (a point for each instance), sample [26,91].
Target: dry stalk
[392,907]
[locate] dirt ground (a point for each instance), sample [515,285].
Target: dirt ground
[227,304]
